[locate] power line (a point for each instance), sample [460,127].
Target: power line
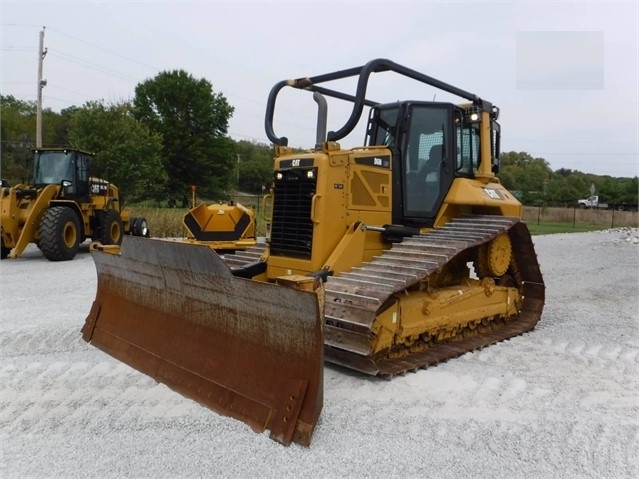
[101,69]
[70,102]
[75,60]
[260,140]
[92,66]
[26,25]
[104,49]
[10,48]
[67,90]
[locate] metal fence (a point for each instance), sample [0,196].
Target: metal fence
[581,216]
[531,214]
[249,201]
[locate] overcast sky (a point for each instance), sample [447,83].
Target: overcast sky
[564,74]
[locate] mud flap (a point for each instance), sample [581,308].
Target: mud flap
[246,349]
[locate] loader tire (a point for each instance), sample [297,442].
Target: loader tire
[4,251]
[111,228]
[59,234]
[140,227]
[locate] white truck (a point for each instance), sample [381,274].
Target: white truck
[592,202]
[597,201]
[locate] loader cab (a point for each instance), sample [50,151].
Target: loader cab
[432,144]
[65,167]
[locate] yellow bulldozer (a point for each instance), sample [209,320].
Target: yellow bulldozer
[62,207]
[383,259]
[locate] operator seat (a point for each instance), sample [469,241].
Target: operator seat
[435,156]
[432,164]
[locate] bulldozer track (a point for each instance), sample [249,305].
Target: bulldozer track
[247,256]
[354,298]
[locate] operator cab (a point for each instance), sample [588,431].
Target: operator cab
[69,168]
[432,143]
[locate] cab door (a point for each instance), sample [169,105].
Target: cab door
[427,161]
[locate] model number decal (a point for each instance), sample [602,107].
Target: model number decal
[378,161]
[494,194]
[98,189]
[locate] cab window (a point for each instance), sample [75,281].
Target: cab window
[467,138]
[425,152]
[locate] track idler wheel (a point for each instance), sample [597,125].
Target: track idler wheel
[493,258]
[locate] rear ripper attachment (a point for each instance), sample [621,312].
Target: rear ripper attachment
[249,350]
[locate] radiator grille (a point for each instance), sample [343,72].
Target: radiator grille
[292,228]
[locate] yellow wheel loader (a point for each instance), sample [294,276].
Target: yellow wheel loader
[63,207]
[384,258]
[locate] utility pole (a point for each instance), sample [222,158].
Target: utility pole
[42,52]
[238,173]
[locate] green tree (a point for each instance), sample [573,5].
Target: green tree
[629,190]
[577,182]
[193,122]
[561,192]
[57,126]
[17,131]
[255,166]
[524,172]
[255,174]
[127,152]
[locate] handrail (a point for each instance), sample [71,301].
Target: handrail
[359,100]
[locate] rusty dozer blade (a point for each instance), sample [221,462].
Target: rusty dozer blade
[246,349]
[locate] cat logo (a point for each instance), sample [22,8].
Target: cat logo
[295,162]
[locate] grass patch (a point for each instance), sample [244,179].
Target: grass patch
[163,222]
[544,228]
[167,222]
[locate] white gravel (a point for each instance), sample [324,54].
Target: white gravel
[560,401]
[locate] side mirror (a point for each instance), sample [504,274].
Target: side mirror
[68,187]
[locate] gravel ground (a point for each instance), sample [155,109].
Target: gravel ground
[560,401]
